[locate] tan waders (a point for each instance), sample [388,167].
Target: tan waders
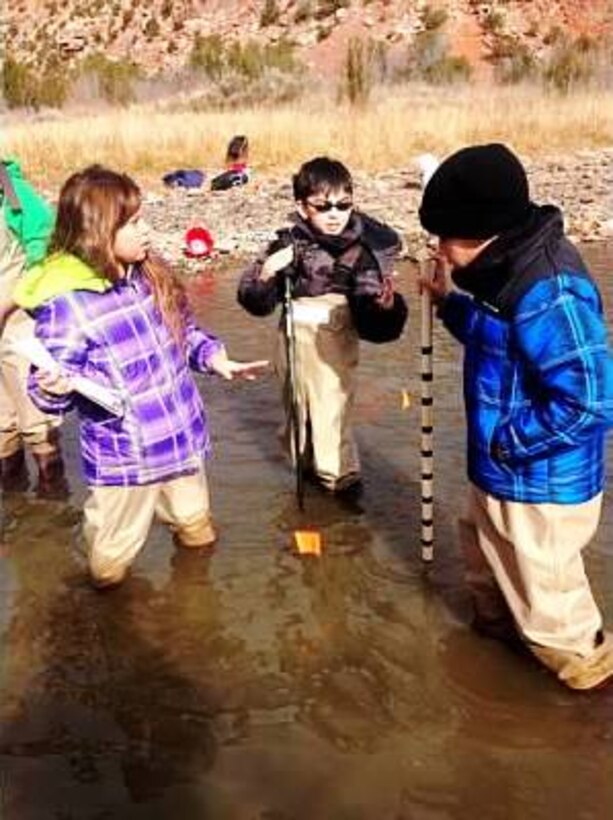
[327,349]
[525,568]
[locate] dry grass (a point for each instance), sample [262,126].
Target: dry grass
[384,135]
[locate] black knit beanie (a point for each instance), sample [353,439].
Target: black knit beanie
[476,193]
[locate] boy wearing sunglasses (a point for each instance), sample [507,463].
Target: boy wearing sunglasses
[340,262]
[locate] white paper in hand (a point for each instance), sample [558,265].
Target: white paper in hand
[35,352]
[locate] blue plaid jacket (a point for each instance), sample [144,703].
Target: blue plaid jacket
[538,374]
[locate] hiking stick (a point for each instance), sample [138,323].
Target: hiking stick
[427,423]
[290,354]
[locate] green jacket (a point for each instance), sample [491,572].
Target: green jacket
[33,222]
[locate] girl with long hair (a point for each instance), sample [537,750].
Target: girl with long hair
[107,309]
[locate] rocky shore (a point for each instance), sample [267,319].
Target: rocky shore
[241,220]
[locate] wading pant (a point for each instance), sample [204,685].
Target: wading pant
[118,520]
[21,422]
[526,559]
[327,352]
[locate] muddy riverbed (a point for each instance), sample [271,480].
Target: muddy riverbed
[251,684]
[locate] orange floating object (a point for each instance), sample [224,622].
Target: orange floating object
[308,542]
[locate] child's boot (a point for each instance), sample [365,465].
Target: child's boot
[14,472]
[195,534]
[52,482]
[577,671]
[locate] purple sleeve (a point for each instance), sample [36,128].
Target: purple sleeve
[200,346]
[58,329]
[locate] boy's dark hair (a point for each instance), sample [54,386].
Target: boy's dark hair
[321,175]
[237,148]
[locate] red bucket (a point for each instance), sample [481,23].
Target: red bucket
[198,243]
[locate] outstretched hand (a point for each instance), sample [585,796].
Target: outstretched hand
[229,369]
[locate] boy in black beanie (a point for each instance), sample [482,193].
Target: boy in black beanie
[538,386]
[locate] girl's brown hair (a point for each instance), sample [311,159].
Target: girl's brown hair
[93,205]
[238,148]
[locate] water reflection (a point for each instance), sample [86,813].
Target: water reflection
[256,685]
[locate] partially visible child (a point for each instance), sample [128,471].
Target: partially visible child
[337,258]
[237,165]
[105,308]
[538,387]
[26,221]
[237,154]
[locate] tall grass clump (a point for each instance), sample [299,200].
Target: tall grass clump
[148,141]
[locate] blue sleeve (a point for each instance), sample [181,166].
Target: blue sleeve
[458,313]
[567,358]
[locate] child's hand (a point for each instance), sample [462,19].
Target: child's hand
[229,369]
[276,262]
[55,384]
[436,279]
[386,298]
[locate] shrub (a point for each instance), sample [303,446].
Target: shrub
[303,12]
[326,8]
[429,60]
[568,66]
[433,18]
[54,86]
[270,13]
[208,55]
[19,86]
[114,78]
[152,28]
[493,21]
[356,79]
[516,67]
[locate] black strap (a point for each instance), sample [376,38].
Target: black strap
[6,186]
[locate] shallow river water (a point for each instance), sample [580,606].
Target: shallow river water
[252,684]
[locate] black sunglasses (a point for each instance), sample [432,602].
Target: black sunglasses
[324,207]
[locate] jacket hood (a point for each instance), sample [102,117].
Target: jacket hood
[379,239]
[60,273]
[512,263]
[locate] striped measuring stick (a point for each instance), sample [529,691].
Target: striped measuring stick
[427,424]
[427,164]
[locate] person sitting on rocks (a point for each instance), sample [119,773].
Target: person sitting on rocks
[237,168]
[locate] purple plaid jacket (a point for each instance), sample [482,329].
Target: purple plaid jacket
[118,338]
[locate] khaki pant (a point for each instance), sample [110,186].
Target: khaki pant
[21,422]
[526,558]
[327,352]
[118,520]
